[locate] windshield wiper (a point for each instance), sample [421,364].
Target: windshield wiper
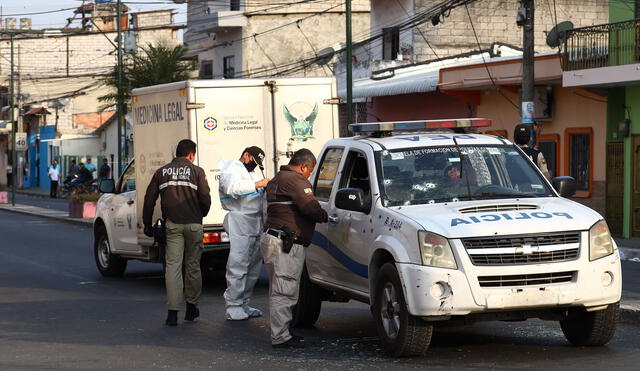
[505,194]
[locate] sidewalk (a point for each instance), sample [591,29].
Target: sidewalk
[630,303]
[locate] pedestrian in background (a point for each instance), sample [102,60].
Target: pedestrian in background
[184,200]
[292,213]
[90,166]
[105,170]
[241,193]
[54,176]
[522,137]
[73,169]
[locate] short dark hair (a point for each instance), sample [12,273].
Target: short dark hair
[185,148]
[522,134]
[303,157]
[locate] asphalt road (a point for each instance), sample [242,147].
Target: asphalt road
[58,313]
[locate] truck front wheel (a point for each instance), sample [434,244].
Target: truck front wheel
[402,334]
[108,264]
[307,310]
[584,328]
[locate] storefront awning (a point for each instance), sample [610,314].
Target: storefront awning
[37,111]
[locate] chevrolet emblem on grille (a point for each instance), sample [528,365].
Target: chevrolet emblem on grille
[527,249]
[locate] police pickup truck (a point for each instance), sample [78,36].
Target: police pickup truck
[436,226]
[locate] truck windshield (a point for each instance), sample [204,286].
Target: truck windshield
[444,174]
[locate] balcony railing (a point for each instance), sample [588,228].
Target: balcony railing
[605,45]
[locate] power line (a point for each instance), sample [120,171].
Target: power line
[35,13]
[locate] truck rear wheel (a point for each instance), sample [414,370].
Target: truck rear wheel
[402,334]
[108,264]
[584,328]
[307,311]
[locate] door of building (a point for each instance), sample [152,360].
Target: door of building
[615,187]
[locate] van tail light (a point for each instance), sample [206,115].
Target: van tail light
[212,237]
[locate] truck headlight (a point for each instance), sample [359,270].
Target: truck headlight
[436,251]
[600,243]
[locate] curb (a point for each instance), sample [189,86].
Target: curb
[629,313]
[80,222]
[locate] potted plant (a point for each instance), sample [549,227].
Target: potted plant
[82,204]
[4,195]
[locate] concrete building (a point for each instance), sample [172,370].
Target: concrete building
[62,72]
[234,39]
[605,58]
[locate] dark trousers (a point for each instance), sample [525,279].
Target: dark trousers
[54,189]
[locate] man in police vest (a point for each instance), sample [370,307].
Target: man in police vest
[522,136]
[185,200]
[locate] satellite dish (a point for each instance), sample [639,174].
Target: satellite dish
[325,55]
[557,35]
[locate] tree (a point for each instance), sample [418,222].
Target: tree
[156,64]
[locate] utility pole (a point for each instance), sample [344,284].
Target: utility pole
[120,98]
[349,64]
[14,129]
[527,112]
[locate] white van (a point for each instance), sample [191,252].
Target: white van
[223,117]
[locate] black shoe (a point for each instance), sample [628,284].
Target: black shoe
[294,342]
[192,312]
[172,318]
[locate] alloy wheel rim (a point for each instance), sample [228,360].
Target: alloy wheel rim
[390,311]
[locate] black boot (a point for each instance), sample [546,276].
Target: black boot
[192,312]
[172,318]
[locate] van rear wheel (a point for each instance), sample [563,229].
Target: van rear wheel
[584,328]
[401,333]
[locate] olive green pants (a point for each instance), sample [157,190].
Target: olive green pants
[184,246]
[284,284]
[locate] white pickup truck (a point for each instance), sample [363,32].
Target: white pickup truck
[428,227]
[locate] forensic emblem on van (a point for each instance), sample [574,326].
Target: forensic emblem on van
[210,123]
[301,123]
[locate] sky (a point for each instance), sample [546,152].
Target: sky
[12,8]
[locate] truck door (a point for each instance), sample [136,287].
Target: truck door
[233,118]
[125,220]
[301,118]
[351,231]
[318,257]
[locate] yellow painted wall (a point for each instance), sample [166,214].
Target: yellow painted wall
[573,108]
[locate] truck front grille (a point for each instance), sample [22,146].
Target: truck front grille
[526,279]
[530,249]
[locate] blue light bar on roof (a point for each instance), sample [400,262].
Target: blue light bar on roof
[419,125]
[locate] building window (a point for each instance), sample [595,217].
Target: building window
[390,43]
[229,70]
[234,5]
[549,145]
[206,69]
[579,158]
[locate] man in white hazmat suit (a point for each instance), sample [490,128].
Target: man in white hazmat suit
[241,194]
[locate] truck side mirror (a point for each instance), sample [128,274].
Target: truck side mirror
[350,199]
[564,185]
[107,186]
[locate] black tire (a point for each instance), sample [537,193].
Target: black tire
[108,264]
[307,310]
[401,333]
[584,328]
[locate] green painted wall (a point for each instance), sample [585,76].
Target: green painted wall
[621,10]
[633,105]
[615,112]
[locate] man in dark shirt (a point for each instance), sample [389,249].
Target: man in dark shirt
[184,200]
[105,169]
[292,206]
[84,175]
